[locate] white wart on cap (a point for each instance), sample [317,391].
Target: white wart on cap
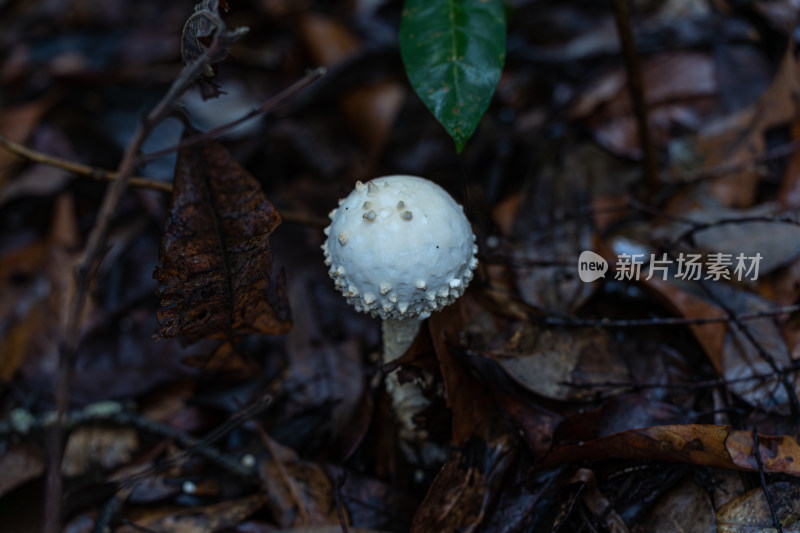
[400,247]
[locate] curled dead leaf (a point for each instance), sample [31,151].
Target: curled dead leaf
[215,278]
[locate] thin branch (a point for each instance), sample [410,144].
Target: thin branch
[340,480]
[692,385]
[664,321]
[89,262]
[102,174]
[633,70]
[770,503]
[79,168]
[269,106]
[109,512]
[697,227]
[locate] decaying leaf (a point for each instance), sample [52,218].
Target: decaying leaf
[299,491]
[698,444]
[687,503]
[215,278]
[470,479]
[91,447]
[19,464]
[735,139]
[218,517]
[547,360]
[595,501]
[206,33]
[750,512]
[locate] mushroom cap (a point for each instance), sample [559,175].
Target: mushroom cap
[400,247]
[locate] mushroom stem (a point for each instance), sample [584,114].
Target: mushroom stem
[407,397]
[398,335]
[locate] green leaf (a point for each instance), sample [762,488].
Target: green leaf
[453,52]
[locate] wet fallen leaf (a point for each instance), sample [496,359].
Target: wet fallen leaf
[36,280]
[215,278]
[299,492]
[596,502]
[460,495]
[750,512]
[371,503]
[547,361]
[483,450]
[91,447]
[19,464]
[207,519]
[556,236]
[204,27]
[686,504]
[698,444]
[750,354]
[738,138]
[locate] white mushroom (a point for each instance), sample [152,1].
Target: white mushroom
[400,247]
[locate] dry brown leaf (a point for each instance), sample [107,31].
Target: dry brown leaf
[215,278]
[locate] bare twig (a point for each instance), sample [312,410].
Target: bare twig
[692,385]
[702,226]
[633,70]
[134,181]
[270,105]
[79,168]
[664,321]
[109,512]
[340,480]
[770,503]
[89,262]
